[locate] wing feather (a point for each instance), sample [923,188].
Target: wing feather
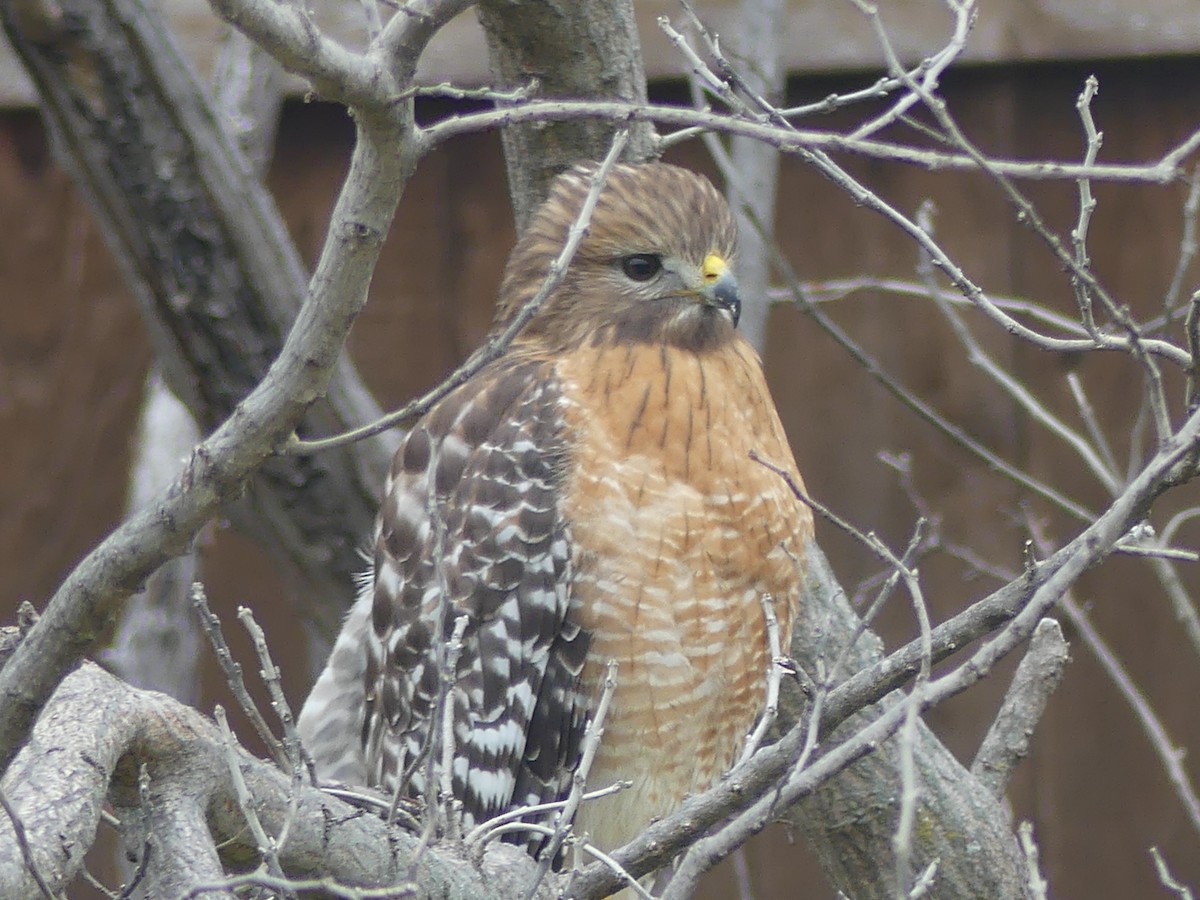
[472,525]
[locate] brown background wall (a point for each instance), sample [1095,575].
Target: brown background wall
[73,356]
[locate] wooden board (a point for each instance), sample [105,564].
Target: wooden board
[821,36]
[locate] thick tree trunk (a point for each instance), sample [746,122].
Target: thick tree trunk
[850,823]
[574,49]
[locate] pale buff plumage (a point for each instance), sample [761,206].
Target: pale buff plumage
[684,534]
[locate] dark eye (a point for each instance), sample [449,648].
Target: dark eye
[642,266]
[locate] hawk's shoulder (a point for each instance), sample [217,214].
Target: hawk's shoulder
[471,526]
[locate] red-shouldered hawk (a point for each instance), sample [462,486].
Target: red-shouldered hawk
[587,497]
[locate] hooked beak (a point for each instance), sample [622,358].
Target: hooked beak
[720,286]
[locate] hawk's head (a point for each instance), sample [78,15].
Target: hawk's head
[654,265]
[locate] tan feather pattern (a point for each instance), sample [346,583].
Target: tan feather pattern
[677,536]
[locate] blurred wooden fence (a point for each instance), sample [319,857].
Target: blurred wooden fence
[73,357]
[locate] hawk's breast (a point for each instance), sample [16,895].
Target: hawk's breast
[677,536]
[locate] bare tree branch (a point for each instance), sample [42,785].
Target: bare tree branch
[157,644]
[1164,170]
[1007,741]
[222,464]
[98,728]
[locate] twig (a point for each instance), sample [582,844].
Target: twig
[885,592]
[799,142]
[909,794]
[97,885]
[924,882]
[325,886]
[449,91]
[1191,328]
[266,844]
[495,346]
[1169,755]
[1178,595]
[929,71]
[1166,878]
[1087,203]
[881,88]
[1037,884]
[909,790]
[1177,521]
[298,758]
[612,863]
[592,736]
[820,292]
[704,76]
[1137,437]
[1187,246]
[774,675]
[1092,424]
[485,832]
[1155,552]
[1037,676]
[584,846]
[450,805]
[381,804]
[233,677]
[26,850]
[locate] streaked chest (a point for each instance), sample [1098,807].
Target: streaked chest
[675,526]
[678,534]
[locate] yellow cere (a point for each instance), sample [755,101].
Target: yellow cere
[714,267]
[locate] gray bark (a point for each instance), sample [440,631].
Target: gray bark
[156,644]
[578,49]
[851,821]
[90,745]
[1037,677]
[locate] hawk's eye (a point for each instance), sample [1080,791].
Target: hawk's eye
[642,266]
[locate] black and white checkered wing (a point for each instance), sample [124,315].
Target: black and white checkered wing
[471,526]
